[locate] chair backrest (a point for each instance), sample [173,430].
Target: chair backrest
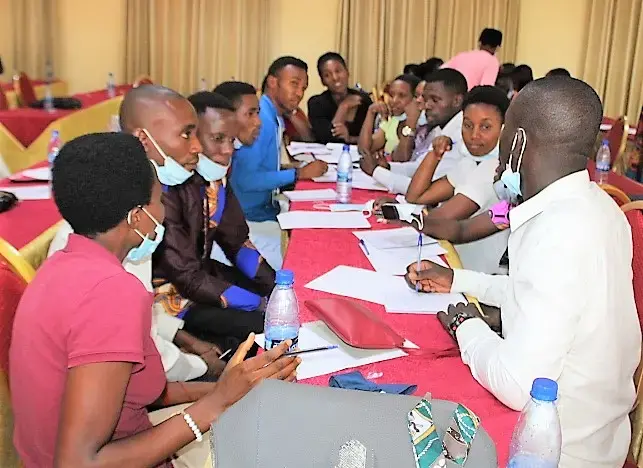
[142,80]
[24,90]
[4,102]
[617,137]
[620,197]
[11,289]
[634,213]
[16,261]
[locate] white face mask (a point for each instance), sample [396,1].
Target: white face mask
[171,172]
[464,151]
[211,170]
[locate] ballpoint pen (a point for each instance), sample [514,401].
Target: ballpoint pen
[417,268]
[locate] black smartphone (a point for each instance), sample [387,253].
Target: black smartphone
[389,211]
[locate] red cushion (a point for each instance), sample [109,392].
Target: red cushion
[11,289]
[635,217]
[615,136]
[25,90]
[290,130]
[630,464]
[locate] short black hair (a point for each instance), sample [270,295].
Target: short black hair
[98,178]
[411,69]
[282,62]
[203,100]
[329,56]
[129,115]
[490,37]
[558,72]
[489,95]
[521,76]
[450,78]
[412,80]
[429,66]
[234,91]
[561,114]
[507,68]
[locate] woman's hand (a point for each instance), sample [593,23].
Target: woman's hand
[441,145]
[380,108]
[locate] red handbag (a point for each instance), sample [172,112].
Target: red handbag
[359,327]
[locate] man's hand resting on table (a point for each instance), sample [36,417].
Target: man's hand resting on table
[432,277]
[312,170]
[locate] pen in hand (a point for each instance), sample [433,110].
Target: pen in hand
[418,266]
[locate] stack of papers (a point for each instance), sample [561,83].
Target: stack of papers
[317,334]
[322,220]
[42,174]
[395,238]
[360,180]
[297,147]
[38,192]
[311,195]
[390,291]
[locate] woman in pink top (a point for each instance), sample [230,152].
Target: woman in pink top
[83,366]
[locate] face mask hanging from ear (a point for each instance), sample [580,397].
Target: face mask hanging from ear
[508,187]
[211,170]
[171,172]
[148,246]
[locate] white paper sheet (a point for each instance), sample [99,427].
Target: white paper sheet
[322,220]
[394,261]
[298,147]
[353,282]
[39,173]
[38,192]
[315,334]
[339,207]
[333,157]
[407,301]
[305,158]
[394,238]
[360,180]
[311,195]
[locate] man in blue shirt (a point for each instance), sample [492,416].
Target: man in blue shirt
[256,176]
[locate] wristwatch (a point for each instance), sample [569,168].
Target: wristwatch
[457,320]
[408,131]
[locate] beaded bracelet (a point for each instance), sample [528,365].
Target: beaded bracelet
[457,320]
[190,422]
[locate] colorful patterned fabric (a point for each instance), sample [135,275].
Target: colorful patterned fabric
[214,202]
[432,452]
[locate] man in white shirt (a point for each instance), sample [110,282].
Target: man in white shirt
[166,330]
[567,306]
[443,95]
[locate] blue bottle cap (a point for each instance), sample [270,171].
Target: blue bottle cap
[284,277]
[346,148]
[544,389]
[606,142]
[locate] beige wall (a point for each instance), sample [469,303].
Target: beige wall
[552,34]
[305,31]
[90,42]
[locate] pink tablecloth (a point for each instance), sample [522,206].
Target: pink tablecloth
[27,124]
[30,218]
[312,253]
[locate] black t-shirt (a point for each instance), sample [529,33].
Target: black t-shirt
[321,111]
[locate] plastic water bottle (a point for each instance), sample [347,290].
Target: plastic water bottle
[48,103]
[603,161]
[345,175]
[53,148]
[536,440]
[282,313]
[111,85]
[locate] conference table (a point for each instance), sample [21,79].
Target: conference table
[313,252]
[26,124]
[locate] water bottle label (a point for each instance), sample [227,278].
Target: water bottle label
[342,177]
[603,166]
[269,344]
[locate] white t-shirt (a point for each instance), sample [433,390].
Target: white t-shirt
[482,255]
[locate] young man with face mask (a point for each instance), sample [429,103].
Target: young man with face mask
[184,356]
[443,95]
[567,305]
[216,301]
[256,175]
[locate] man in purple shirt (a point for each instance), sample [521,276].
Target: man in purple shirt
[479,67]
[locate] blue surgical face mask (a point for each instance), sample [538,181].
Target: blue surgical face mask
[508,187]
[211,170]
[237,144]
[422,119]
[148,246]
[171,172]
